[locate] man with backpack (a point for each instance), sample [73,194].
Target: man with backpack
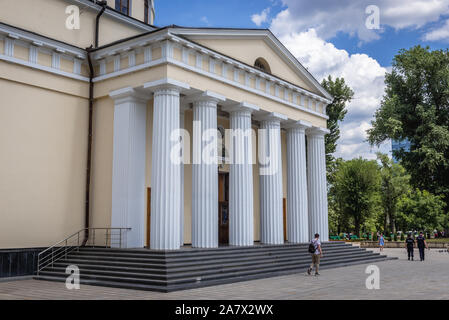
[317,253]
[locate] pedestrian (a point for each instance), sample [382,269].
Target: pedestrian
[381,242]
[421,240]
[409,244]
[317,253]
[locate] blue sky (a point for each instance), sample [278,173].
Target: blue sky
[330,37]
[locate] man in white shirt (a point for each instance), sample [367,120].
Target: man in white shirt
[316,255]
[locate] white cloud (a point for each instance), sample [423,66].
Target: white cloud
[305,28]
[361,72]
[329,17]
[441,33]
[205,20]
[258,19]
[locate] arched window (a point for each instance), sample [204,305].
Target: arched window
[262,64]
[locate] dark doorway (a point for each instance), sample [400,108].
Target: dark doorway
[223,208]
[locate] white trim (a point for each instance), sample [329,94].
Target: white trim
[9,47]
[42,41]
[132,59]
[33,54]
[117,62]
[43,68]
[77,66]
[55,60]
[240,86]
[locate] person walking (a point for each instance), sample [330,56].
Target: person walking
[409,244]
[317,254]
[421,240]
[381,242]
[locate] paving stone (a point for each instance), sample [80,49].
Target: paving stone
[399,279]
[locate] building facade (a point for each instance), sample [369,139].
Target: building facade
[148,108]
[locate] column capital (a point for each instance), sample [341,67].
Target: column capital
[128,94]
[317,131]
[205,96]
[272,116]
[301,124]
[166,83]
[242,106]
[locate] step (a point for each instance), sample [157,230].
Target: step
[172,268]
[192,277]
[182,271]
[141,286]
[177,270]
[191,251]
[203,263]
[143,259]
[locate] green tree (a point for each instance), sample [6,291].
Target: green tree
[338,221]
[336,111]
[356,187]
[395,182]
[416,107]
[423,211]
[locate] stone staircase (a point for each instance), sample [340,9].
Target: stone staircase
[192,268]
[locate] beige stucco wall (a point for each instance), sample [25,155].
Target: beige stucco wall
[248,50]
[48,18]
[43,147]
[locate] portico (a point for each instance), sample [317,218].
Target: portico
[306,209]
[167,112]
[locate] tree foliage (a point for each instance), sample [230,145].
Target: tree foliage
[421,210]
[336,111]
[395,182]
[355,188]
[416,107]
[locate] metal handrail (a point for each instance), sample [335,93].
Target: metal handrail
[63,247]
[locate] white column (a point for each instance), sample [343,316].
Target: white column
[270,170]
[205,171]
[317,185]
[241,205]
[297,206]
[181,214]
[128,174]
[165,172]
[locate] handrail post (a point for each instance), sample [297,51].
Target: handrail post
[52,256]
[107,237]
[78,242]
[93,238]
[65,249]
[120,244]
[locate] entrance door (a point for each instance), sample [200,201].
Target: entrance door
[223,208]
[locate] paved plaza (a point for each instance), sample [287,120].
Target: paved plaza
[399,279]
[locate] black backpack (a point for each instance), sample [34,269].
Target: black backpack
[312,247]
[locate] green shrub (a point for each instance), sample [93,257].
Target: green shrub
[375,237]
[395,237]
[402,236]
